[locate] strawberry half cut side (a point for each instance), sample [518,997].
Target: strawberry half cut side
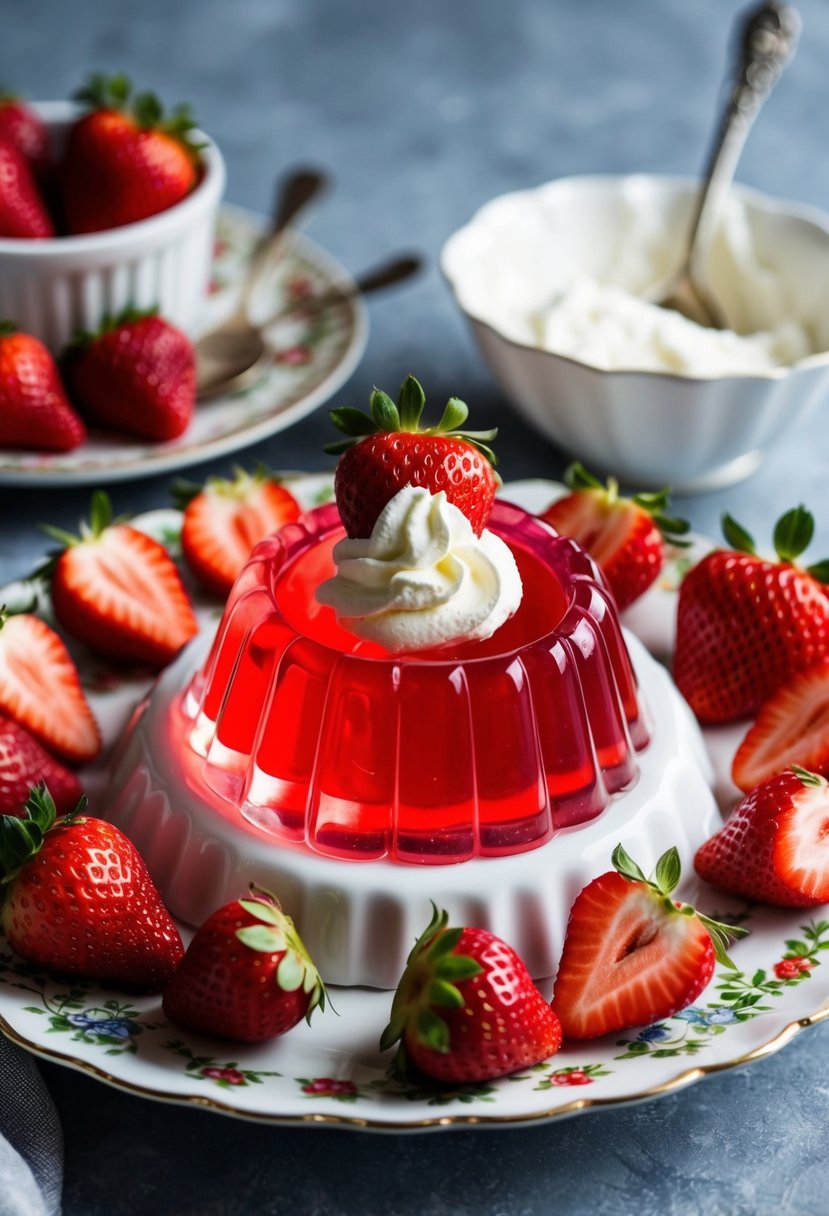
[632,954]
[118,590]
[25,763]
[792,728]
[225,518]
[625,536]
[775,846]
[40,688]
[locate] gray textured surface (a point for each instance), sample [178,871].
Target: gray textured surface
[423,111]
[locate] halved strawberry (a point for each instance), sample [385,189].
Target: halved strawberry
[625,536]
[24,763]
[791,728]
[632,954]
[119,591]
[224,520]
[40,689]
[775,846]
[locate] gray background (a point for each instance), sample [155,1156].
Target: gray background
[423,111]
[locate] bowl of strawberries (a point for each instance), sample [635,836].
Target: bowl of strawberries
[106,203]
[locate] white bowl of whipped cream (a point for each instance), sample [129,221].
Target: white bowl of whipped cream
[553,279]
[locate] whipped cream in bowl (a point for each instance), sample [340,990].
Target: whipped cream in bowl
[554,282]
[423,579]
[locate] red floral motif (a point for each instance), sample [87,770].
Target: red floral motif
[300,288]
[576,1077]
[791,968]
[327,1087]
[231,1075]
[220,246]
[294,355]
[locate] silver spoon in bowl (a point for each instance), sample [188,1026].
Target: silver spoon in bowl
[768,40]
[237,343]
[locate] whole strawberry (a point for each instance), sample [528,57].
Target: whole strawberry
[246,974]
[79,899]
[119,591]
[225,518]
[24,129]
[746,624]
[774,846]
[34,410]
[124,160]
[137,374]
[625,536]
[466,1008]
[632,954]
[23,212]
[387,450]
[25,763]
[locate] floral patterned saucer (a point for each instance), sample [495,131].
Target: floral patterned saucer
[314,353]
[332,1072]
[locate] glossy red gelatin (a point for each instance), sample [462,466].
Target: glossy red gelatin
[481,748]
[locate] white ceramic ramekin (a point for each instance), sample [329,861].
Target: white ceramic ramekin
[54,288]
[650,428]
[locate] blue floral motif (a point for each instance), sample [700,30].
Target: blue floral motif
[653,1034]
[115,1028]
[707,1017]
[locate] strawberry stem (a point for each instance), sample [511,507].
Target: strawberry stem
[21,836]
[577,478]
[792,535]
[386,416]
[665,881]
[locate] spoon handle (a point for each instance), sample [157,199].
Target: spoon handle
[386,274]
[767,42]
[294,195]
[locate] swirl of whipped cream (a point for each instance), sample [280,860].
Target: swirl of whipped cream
[423,578]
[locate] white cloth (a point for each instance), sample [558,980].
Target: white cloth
[31,1141]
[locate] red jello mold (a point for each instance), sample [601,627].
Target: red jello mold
[483,748]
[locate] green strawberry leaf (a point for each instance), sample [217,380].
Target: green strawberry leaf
[668,871]
[411,404]
[626,866]
[446,995]
[384,412]
[819,571]
[455,414]
[290,973]
[577,477]
[793,533]
[352,421]
[736,535]
[264,939]
[432,1030]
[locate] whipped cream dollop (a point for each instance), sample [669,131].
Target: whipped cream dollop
[423,578]
[606,326]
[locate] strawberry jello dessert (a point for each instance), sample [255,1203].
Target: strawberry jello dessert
[417,693]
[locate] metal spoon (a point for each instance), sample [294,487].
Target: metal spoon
[767,43]
[395,270]
[232,347]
